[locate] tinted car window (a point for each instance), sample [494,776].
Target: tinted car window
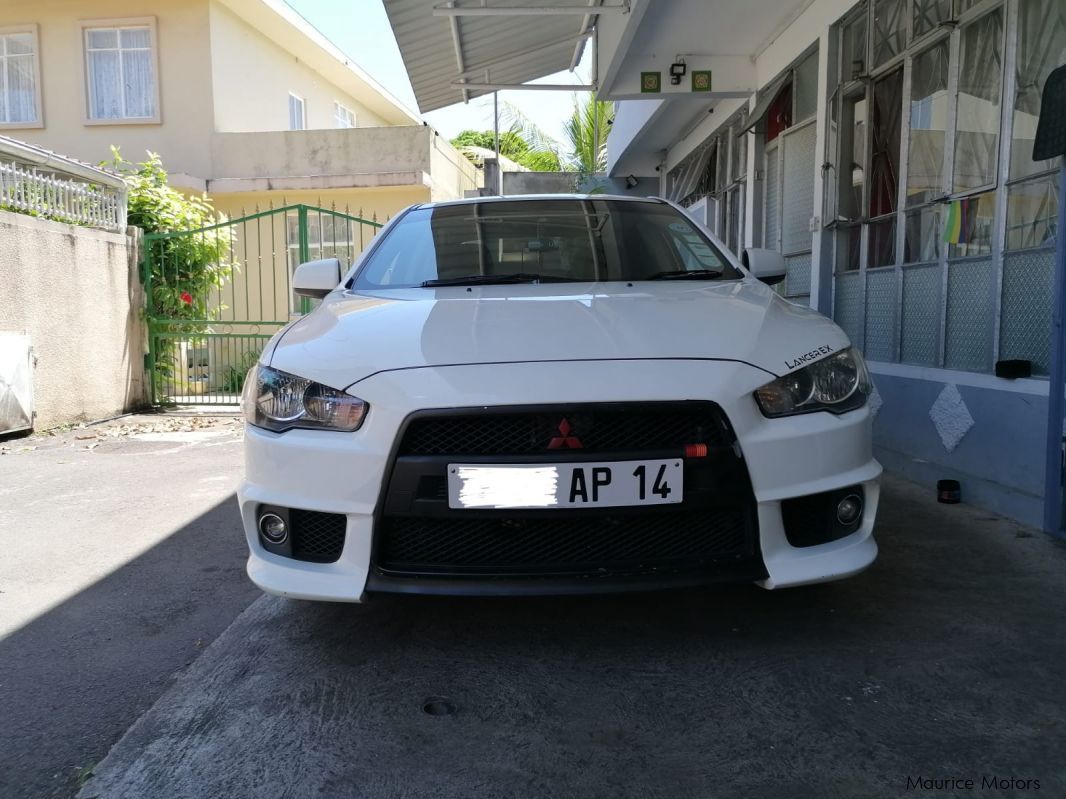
[562,239]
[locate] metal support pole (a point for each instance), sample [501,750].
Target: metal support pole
[496,131]
[1053,465]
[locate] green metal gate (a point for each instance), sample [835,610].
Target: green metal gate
[216,294]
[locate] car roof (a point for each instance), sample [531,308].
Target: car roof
[553,197]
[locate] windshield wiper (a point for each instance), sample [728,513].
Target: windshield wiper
[685,274]
[486,280]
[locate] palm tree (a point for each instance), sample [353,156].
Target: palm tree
[586,133]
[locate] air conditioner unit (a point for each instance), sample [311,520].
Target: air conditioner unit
[16,382]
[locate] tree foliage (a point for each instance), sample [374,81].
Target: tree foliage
[513,145]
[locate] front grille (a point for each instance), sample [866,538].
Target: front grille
[632,543]
[598,428]
[316,537]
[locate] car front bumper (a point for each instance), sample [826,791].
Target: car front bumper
[345,473]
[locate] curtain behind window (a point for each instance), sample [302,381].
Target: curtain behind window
[1041,48]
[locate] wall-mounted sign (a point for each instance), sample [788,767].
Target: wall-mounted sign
[701,80]
[651,82]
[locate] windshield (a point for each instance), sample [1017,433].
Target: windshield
[542,241]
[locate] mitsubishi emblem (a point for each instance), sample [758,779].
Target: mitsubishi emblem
[564,440]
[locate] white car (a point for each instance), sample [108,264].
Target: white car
[559,394]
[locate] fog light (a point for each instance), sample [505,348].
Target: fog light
[272,528]
[849,509]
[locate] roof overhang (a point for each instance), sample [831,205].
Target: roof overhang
[455,50]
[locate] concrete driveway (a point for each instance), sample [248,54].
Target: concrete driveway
[123,559]
[942,662]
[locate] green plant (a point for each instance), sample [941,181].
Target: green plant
[183,272]
[513,145]
[233,380]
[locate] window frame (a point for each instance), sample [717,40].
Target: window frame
[118,23]
[338,107]
[38,122]
[303,111]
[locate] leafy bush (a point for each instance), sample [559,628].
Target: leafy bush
[185,271]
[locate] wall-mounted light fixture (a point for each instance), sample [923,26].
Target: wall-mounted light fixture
[631,182]
[677,71]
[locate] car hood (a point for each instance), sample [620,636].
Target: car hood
[355,335]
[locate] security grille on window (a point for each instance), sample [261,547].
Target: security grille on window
[121,72]
[343,117]
[18,78]
[297,113]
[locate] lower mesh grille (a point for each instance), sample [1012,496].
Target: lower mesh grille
[624,544]
[317,537]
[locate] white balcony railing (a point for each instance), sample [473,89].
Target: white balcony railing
[40,183]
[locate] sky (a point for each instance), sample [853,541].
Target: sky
[366,37]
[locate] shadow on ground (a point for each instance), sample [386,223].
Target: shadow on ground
[75,678]
[943,660]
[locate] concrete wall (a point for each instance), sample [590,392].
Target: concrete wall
[183,135]
[77,294]
[252,78]
[570,182]
[999,460]
[321,152]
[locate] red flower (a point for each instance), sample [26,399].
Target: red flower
[186,298]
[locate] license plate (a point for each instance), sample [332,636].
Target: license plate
[610,484]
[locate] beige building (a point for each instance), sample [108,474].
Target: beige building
[241,98]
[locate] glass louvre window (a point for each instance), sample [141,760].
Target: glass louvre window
[968,225]
[343,117]
[929,117]
[779,114]
[852,170]
[882,243]
[922,235]
[805,87]
[885,143]
[739,156]
[18,78]
[297,113]
[977,123]
[849,248]
[1041,48]
[927,14]
[121,71]
[890,30]
[853,48]
[1032,213]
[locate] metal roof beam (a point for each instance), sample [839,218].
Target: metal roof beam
[508,87]
[451,10]
[529,51]
[457,43]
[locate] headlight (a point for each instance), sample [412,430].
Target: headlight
[279,401]
[838,384]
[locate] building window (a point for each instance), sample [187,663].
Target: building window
[1041,48]
[926,15]
[120,65]
[890,30]
[977,116]
[343,117]
[19,72]
[297,113]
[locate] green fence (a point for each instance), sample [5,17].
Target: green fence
[216,294]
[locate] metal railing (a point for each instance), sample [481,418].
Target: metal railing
[40,183]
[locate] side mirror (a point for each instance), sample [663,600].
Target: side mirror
[766,265]
[317,278]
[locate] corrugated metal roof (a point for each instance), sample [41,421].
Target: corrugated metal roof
[511,49]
